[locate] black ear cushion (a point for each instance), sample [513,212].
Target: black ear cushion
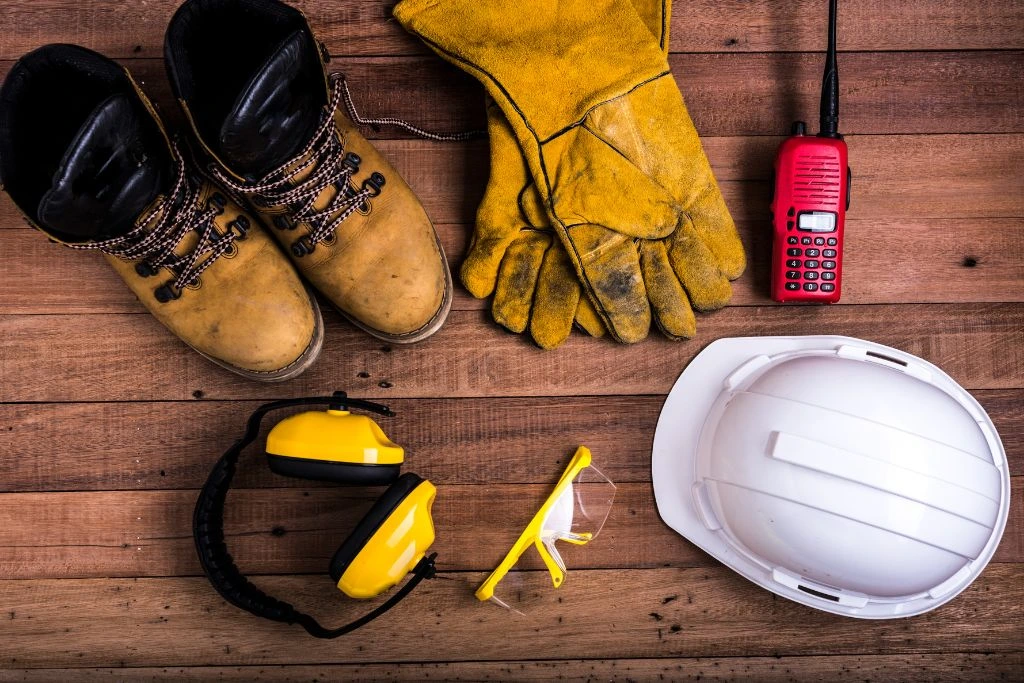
[356,474]
[372,521]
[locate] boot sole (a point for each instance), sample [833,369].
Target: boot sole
[293,369]
[432,326]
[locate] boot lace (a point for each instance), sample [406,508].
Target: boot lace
[176,215]
[322,163]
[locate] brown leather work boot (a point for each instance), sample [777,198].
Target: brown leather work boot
[87,161]
[252,81]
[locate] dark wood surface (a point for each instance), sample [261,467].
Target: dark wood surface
[108,424]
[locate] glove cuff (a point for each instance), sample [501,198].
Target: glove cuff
[547,64]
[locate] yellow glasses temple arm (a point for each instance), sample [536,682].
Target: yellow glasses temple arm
[580,461]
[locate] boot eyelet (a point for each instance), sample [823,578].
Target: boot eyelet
[351,161]
[364,208]
[217,201]
[145,269]
[374,184]
[331,240]
[302,246]
[231,251]
[239,227]
[166,293]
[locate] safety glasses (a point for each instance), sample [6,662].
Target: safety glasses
[575,512]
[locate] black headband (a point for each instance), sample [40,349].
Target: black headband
[220,568]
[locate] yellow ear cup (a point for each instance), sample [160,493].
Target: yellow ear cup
[333,445]
[385,546]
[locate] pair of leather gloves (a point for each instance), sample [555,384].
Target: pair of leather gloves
[601,208]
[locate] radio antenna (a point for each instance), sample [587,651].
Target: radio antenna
[829,110]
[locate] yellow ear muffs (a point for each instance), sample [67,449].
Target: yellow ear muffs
[333,445]
[388,542]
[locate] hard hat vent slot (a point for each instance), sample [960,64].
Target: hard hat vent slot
[882,356]
[819,594]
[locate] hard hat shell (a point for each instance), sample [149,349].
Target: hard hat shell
[845,475]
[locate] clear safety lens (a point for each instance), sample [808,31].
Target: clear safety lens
[575,517]
[579,513]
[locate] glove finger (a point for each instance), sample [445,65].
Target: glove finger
[588,319]
[479,271]
[499,219]
[716,229]
[672,311]
[697,269]
[517,280]
[555,300]
[608,266]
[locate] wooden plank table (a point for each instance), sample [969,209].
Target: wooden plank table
[108,424]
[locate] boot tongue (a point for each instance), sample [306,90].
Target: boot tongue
[277,111]
[111,171]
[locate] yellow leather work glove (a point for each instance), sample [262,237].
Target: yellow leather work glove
[516,256]
[610,145]
[514,253]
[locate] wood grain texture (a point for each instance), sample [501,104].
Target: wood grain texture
[365,27]
[106,429]
[605,614]
[967,667]
[296,531]
[83,358]
[954,260]
[923,668]
[157,445]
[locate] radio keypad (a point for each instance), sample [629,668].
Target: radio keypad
[808,278]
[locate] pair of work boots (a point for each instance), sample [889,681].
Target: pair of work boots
[86,158]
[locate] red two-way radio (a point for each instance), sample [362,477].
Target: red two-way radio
[810,199]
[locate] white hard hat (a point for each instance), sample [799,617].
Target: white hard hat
[842,474]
